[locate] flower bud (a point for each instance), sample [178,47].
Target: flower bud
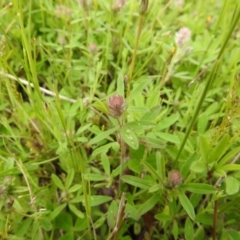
[116,105]
[143,7]
[174,179]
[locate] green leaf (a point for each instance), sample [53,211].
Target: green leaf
[57,181]
[167,122]
[186,204]
[175,230]
[137,89]
[94,177]
[120,84]
[151,169]
[204,148]
[105,163]
[200,188]
[69,178]
[98,200]
[102,135]
[185,169]
[160,163]
[168,137]
[153,142]
[83,128]
[162,217]
[74,188]
[202,123]
[74,210]
[137,182]
[149,204]
[232,185]
[134,165]
[100,106]
[57,211]
[129,137]
[112,214]
[198,167]
[45,223]
[140,125]
[24,227]
[67,236]
[217,152]
[102,149]
[64,221]
[230,167]
[152,114]
[188,229]
[229,156]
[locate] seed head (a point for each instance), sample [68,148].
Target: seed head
[116,105]
[175,179]
[143,7]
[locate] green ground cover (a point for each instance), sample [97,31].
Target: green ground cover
[119,120]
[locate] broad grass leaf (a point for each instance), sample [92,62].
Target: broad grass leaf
[129,137]
[232,185]
[200,188]
[102,135]
[98,200]
[186,204]
[136,182]
[74,210]
[57,181]
[149,204]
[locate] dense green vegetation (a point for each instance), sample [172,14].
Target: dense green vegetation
[119,120]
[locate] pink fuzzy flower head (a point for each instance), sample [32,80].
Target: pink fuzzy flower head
[93,48]
[116,105]
[174,179]
[118,5]
[182,36]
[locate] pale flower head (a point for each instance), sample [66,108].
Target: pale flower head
[182,36]
[116,105]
